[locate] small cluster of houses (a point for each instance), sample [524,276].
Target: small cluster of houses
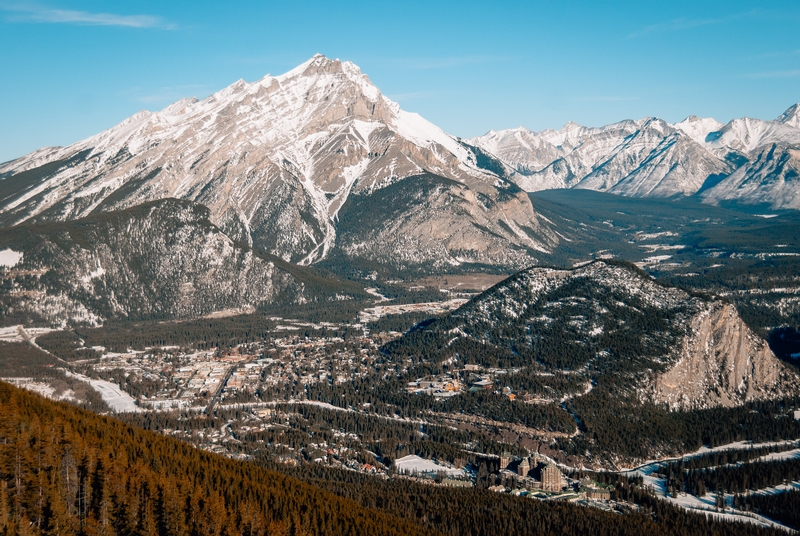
[471,378]
[440,387]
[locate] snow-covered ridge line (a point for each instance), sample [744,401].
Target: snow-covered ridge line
[650,157]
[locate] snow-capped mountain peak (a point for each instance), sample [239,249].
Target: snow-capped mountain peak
[791,116]
[698,128]
[274,160]
[747,135]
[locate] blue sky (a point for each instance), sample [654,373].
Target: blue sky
[73,68]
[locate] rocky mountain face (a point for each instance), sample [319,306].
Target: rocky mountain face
[609,327]
[276,162]
[163,259]
[721,363]
[772,177]
[791,116]
[750,161]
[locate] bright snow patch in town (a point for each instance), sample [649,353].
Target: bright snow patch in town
[11,334]
[657,258]
[10,258]
[117,399]
[414,464]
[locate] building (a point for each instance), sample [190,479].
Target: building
[505,458]
[552,479]
[449,482]
[598,494]
[524,467]
[483,384]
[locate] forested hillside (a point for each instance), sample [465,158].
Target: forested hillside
[67,471]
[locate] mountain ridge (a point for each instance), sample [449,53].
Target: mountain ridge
[274,161]
[652,158]
[610,323]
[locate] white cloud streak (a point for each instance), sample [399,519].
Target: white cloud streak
[45,15]
[676,25]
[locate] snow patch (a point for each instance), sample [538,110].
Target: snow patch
[10,258]
[117,399]
[414,464]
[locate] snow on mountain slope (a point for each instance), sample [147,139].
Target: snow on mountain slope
[656,161]
[772,178]
[698,128]
[274,160]
[747,135]
[791,116]
[573,152]
[649,157]
[636,158]
[520,148]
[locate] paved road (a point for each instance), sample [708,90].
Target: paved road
[215,398]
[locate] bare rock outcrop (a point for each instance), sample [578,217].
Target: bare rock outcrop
[722,363]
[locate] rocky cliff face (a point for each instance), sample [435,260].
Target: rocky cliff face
[721,362]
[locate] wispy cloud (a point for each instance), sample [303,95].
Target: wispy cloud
[792,73]
[676,25]
[28,12]
[607,99]
[447,62]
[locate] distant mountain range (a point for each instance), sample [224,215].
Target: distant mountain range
[237,190]
[749,161]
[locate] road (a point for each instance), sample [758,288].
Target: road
[214,399]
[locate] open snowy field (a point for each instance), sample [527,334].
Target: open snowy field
[414,464]
[117,399]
